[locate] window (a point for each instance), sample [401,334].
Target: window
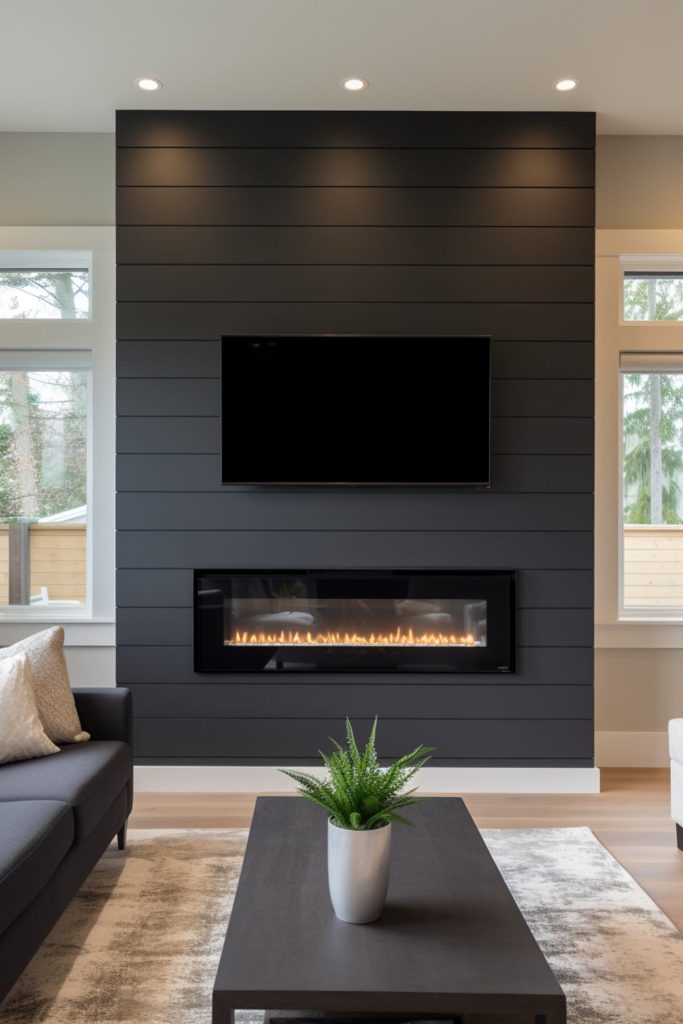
[57,425]
[44,294]
[44,413]
[652,480]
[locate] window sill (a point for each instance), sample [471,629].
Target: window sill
[639,633]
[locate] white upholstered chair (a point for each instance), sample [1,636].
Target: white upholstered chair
[676,753]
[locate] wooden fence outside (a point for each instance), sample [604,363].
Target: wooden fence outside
[653,566]
[58,561]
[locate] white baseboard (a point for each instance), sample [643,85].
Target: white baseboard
[632,749]
[266,779]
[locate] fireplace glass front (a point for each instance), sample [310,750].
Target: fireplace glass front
[325,621]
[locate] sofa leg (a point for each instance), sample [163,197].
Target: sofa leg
[121,835]
[679,836]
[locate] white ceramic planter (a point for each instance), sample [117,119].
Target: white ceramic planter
[358,871]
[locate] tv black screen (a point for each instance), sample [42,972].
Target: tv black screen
[341,409]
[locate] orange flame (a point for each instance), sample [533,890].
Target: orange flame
[399,638]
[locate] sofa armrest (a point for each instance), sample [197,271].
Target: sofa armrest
[107,714]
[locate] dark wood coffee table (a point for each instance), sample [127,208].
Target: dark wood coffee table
[451,939]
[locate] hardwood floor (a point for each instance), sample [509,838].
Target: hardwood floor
[630,817]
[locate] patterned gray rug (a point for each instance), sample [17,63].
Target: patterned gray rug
[140,943]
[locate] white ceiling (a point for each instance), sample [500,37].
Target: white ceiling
[67,65]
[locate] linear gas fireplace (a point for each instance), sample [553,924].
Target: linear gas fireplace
[346,621]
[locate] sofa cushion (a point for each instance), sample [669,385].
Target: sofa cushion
[21,732]
[35,836]
[56,706]
[676,739]
[87,776]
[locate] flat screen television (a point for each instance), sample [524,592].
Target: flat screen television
[350,409]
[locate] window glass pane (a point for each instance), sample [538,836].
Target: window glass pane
[653,489]
[43,485]
[44,294]
[653,296]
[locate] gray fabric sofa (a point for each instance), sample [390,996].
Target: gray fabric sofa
[58,814]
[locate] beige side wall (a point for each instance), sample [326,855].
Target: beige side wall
[639,181]
[638,690]
[56,179]
[639,185]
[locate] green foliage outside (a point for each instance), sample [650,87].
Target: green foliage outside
[43,443]
[648,298]
[43,413]
[653,414]
[358,794]
[638,388]
[30,294]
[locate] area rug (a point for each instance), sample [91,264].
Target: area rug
[141,941]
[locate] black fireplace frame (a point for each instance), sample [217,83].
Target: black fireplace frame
[211,655]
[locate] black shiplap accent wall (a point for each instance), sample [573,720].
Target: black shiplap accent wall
[356,222]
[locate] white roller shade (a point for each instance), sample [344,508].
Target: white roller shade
[651,362]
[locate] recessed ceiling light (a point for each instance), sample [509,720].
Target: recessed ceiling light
[566,84]
[354,84]
[149,84]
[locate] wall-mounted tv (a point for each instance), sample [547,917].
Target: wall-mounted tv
[350,409]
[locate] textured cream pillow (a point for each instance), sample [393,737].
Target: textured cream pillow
[56,705]
[21,732]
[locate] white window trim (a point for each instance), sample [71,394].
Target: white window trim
[93,626]
[617,250]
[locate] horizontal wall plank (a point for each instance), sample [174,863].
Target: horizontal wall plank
[158,472]
[354,168]
[273,283]
[542,436]
[346,509]
[338,700]
[530,359]
[549,321]
[172,588]
[168,397]
[168,358]
[414,246]
[510,473]
[536,666]
[549,473]
[178,435]
[201,435]
[555,627]
[187,549]
[344,128]
[523,360]
[226,737]
[498,207]
[174,397]
[157,626]
[542,398]
[558,589]
[436,762]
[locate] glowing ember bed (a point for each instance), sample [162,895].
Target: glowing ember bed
[327,621]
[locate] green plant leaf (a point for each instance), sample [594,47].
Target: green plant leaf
[358,793]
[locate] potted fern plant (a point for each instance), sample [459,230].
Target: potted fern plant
[362,800]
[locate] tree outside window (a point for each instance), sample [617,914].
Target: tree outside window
[43,450]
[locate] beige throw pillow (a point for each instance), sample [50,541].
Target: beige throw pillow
[21,732]
[56,704]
